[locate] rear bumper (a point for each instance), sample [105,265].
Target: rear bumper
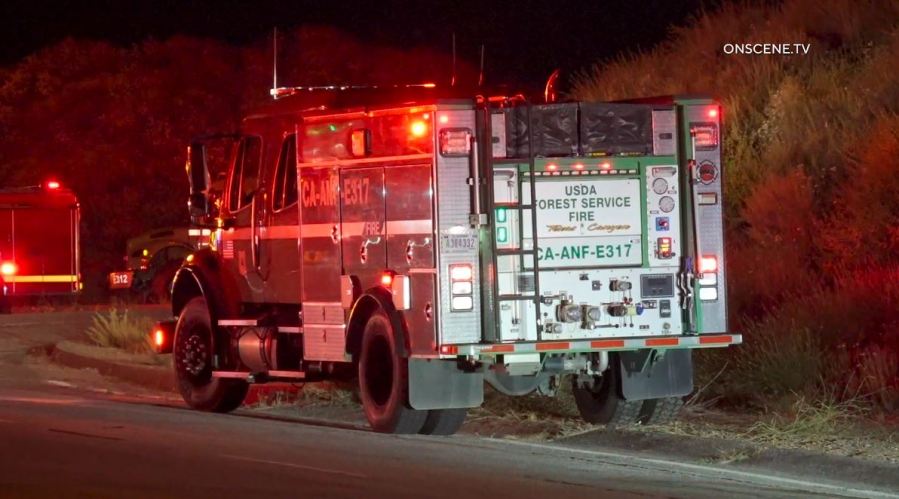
[610,344]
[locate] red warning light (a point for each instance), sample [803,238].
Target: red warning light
[713,113]
[386,279]
[606,166]
[418,128]
[444,119]
[52,185]
[8,268]
[552,167]
[158,338]
[578,166]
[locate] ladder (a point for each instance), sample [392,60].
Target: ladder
[528,276]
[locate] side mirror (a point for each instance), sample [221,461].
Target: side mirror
[200,203]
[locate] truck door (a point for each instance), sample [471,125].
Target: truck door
[362,222]
[245,202]
[279,241]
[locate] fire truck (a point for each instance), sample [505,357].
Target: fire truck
[152,258]
[39,246]
[425,242]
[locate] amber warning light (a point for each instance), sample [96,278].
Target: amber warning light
[162,335]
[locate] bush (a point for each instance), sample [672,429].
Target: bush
[810,193]
[121,330]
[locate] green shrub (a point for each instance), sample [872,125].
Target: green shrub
[121,330]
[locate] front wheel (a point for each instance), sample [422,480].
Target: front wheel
[192,353]
[384,380]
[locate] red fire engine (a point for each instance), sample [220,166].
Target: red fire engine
[39,249]
[427,243]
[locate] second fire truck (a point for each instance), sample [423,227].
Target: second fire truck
[426,244]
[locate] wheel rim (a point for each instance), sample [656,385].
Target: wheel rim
[379,371]
[192,357]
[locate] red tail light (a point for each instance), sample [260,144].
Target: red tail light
[708,263]
[386,279]
[159,338]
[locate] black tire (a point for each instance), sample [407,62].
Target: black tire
[443,421]
[192,355]
[661,411]
[384,380]
[601,403]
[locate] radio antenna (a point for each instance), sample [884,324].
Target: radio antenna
[274,62]
[481,75]
[453,79]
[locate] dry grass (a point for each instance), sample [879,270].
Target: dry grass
[121,330]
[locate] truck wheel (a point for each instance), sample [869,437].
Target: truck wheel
[443,421]
[601,404]
[661,411]
[384,380]
[192,354]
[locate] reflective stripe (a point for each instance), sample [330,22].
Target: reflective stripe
[704,341]
[41,278]
[317,230]
[280,232]
[423,226]
[350,162]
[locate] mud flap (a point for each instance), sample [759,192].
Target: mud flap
[653,374]
[440,384]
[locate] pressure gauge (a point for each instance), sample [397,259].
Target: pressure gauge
[660,186]
[666,204]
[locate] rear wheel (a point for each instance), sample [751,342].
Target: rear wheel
[443,421]
[192,353]
[384,380]
[661,411]
[600,402]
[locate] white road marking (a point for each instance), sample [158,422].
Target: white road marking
[44,401]
[65,384]
[297,466]
[733,474]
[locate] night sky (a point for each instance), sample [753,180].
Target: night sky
[525,40]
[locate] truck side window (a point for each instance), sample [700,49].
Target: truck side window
[245,177]
[286,175]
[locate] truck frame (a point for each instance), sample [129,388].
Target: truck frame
[425,243]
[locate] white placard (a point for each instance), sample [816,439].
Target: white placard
[584,222]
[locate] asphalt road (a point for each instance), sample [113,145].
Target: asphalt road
[60,442]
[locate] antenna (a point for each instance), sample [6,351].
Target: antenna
[481,75]
[274,62]
[453,79]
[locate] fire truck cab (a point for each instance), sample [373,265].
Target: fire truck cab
[427,243]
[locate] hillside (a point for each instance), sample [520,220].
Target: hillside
[811,145]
